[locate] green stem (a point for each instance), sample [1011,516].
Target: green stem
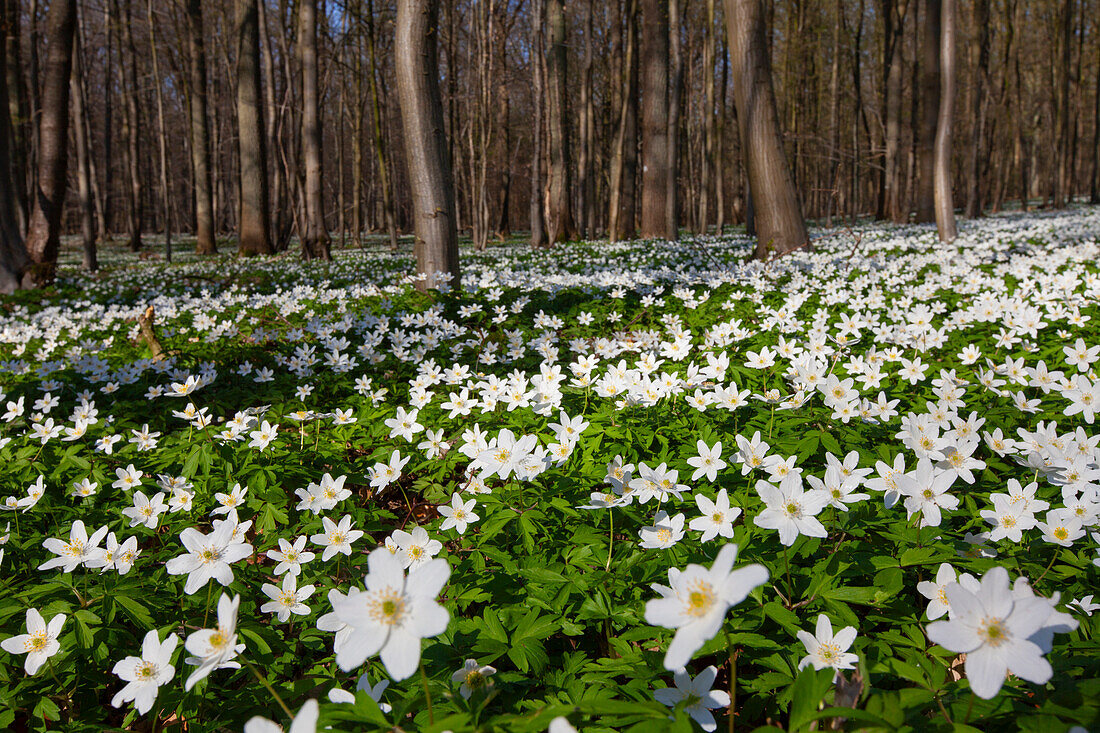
[610,538]
[969,708]
[734,653]
[427,693]
[1049,566]
[263,681]
[787,572]
[206,613]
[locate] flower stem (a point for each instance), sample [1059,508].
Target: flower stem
[206,613]
[263,681]
[969,708]
[610,538]
[1049,566]
[787,571]
[427,694]
[734,653]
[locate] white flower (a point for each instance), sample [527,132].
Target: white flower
[145,674]
[697,600]
[79,550]
[458,514]
[824,649]
[129,478]
[392,615]
[341,696]
[39,643]
[287,599]
[717,516]
[146,511]
[336,538]
[291,556]
[262,437]
[791,509]
[215,648]
[696,692]
[708,463]
[994,629]
[665,532]
[416,548]
[473,677]
[208,556]
[304,722]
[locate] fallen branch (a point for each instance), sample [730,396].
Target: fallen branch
[145,323]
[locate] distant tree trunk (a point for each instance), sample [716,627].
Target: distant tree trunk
[279,220]
[675,92]
[893,204]
[620,217]
[1062,150]
[930,112]
[417,69]
[83,160]
[255,228]
[315,240]
[945,208]
[13,253]
[162,135]
[107,208]
[978,73]
[778,212]
[655,155]
[586,183]
[708,163]
[18,116]
[538,221]
[131,130]
[380,153]
[559,222]
[1094,185]
[53,138]
[205,244]
[834,118]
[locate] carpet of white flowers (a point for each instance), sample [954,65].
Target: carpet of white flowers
[639,486]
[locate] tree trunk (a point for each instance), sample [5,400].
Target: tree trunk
[436,246]
[131,130]
[778,211]
[945,208]
[930,112]
[13,253]
[162,135]
[1061,175]
[255,228]
[894,207]
[205,243]
[834,118]
[83,161]
[315,240]
[586,183]
[708,163]
[380,153]
[1094,185]
[559,221]
[675,92]
[978,73]
[655,154]
[620,218]
[538,221]
[19,120]
[53,138]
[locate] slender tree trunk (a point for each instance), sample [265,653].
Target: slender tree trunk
[436,246]
[13,253]
[131,130]
[1094,185]
[655,154]
[1061,175]
[53,137]
[708,162]
[33,110]
[538,221]
[559,221]
[894,31]
[621,223]
[255,227]
[380,153]
[720,134]
[83,160]
[675,92]
[106,220]
[778,211]
[357,128]
[979,60]
[1020,150]
[279,221]
[162,134]
[205,244]
[834,118]
[945,207]
[315,241]
[18,115]
[586,179]
[930,112]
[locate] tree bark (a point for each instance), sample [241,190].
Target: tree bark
[1062,151]
[205,244]
[1094,185]
[893,204]
[708,163]
[538,220]
[586,183]
[778,211]
[417,67]
[978,73]
[19,120]
[380,153]
[945,208]
[254,223]
[131,130]
[162,135]
[559,223]
[83,159]
[13,253]
[930,112]
[620,220]
[53,137]
[675,92]
[655,153]
[315,239]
